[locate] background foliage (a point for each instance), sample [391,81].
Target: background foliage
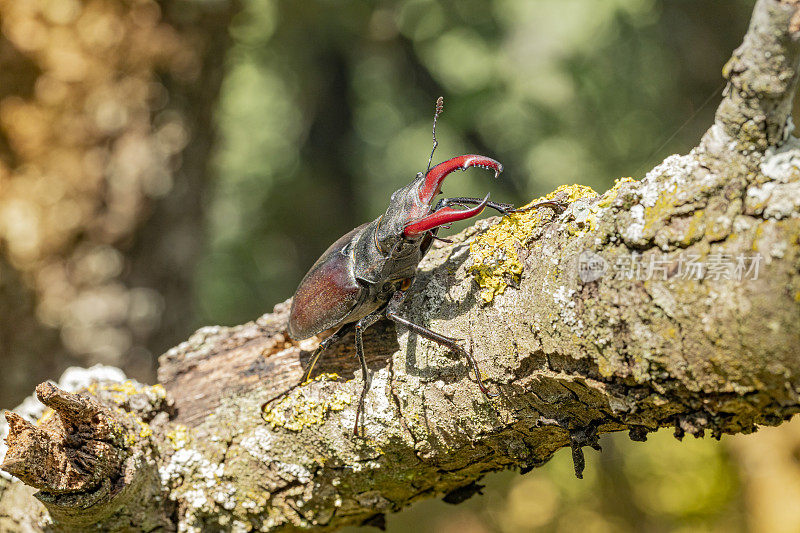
[172,164]
[326,109]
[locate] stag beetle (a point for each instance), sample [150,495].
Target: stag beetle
[362,277]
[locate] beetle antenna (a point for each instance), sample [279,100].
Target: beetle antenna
[437,111]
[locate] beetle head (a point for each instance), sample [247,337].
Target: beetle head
[410,214]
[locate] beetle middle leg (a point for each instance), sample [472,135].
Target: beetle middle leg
[361,325]
[449,342]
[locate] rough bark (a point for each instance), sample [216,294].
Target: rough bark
[570,355]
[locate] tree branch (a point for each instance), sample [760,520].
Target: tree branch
[594,321]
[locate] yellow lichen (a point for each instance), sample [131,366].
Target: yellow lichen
[296,411]
[145,430]
[179,437]
[120,392]
[325,376]
[611,194]
[129,439]
[695,229]
[45,416]
[495,256]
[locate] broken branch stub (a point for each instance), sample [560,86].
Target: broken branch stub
[76,447]
[85,456]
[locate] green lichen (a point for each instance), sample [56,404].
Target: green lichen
[297,410]
[496,262]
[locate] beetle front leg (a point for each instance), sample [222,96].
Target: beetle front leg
[449,342]
[502,208]
[555,205]
[361,325]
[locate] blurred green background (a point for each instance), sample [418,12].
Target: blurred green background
[326,109]
[176,163]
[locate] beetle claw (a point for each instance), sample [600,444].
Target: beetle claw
[436,175]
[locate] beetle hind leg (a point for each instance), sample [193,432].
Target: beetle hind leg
[338,334]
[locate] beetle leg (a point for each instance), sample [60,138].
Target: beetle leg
[557,206]
[361,325]
[442,216]
[441,239]
[314,357]
[449,342]
[502,208]
[324,346]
